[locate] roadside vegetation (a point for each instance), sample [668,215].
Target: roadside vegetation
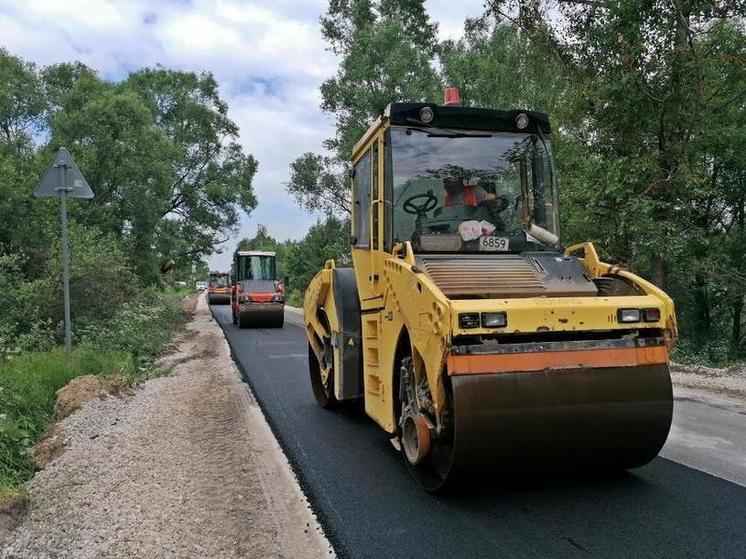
[123,347]
[170,182]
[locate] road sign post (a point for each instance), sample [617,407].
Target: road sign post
[63,178]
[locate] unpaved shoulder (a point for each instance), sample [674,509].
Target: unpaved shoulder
[185,467]
[711,383]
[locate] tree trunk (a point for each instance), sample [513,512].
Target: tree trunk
[735,340]
[703,305]
[658,273]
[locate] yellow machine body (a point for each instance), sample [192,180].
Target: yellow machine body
[404,304]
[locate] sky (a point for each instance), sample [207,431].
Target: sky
[267,55]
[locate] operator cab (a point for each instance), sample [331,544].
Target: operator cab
[219,280]
[468,184]
[457,185]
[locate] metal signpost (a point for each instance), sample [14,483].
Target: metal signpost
[63,178]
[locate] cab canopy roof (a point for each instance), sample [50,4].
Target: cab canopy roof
[457,117]
[254,253]
[466,118]
[214,273]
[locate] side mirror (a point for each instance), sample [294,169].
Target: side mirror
[286,281]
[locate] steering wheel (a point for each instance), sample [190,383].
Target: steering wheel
[429,202]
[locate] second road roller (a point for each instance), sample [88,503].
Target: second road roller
[219,288]
[257,298]
[468,334]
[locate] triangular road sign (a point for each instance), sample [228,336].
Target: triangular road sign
[63,174]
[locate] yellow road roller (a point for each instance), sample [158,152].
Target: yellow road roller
[466,331]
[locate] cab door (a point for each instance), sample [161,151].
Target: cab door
[368,255]
[367,224]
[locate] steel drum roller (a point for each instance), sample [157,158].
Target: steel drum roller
[262,315]
[600,418]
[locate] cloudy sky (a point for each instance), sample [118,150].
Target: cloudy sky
[267,55]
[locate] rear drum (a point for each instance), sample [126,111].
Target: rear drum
[599,419]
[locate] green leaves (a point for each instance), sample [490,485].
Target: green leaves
[158,149]
[647,101]
[319,183]
[387,52]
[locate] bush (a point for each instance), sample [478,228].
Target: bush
[295,298]
[101,279]
[140,326]
[101,282]
[25,322]
[708,353]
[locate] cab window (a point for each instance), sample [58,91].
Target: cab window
[361,210]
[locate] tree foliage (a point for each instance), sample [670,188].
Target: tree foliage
[158,149]
[318,183]
[387,50]
[170,181]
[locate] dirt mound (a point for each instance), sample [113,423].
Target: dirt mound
[189,304]
[50,446]
[13,507]
[82,390]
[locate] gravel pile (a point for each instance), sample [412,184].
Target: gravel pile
[734,371]
[728,381]
[186,467]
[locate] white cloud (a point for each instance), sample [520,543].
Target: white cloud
[268,57]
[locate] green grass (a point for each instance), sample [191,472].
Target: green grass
[27,387]
[180,291]
[295,298]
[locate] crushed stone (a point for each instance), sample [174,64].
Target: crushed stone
[728,381]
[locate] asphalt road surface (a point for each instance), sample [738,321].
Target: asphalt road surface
[370,507]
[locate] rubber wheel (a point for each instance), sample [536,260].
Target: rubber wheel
[323,393]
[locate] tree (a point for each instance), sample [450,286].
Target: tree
[211,180]
[161,156]
[27,225]
[640,80]
[494,66]
[388,50]
[318,183]
[22,101]
[325,239]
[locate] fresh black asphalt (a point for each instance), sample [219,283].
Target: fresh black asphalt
[370,507]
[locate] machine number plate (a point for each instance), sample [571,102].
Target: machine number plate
[493,244]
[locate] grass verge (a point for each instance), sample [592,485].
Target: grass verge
[124,346]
